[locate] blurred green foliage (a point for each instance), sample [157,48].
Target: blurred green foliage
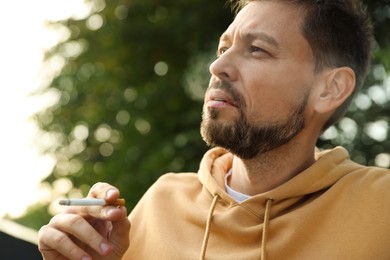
[365,129]
[131,88]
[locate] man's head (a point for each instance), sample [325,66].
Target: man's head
[339,33]
[272,63]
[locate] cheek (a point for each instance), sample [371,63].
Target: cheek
[273,89]
[271,104]
[264,107]
[266,97]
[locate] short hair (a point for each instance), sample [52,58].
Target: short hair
[340,33]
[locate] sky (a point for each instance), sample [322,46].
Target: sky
[24,38]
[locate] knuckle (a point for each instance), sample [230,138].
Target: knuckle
[98,189]
[59,238]
[51,223]
[72,251]
[99,185]
[61,235]
[75,253]
[42,230]
[75,220]
[42,235]
[66,220]
[55,220]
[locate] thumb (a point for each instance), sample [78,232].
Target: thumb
[120,234]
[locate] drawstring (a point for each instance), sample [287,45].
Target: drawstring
[208,224]
[265,229]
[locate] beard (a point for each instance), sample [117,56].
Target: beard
[244,139]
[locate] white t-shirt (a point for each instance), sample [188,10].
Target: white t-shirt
[237,196]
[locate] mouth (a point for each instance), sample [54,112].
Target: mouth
[218,97]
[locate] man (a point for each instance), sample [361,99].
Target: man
[285,71]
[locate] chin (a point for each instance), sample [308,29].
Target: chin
[221,116]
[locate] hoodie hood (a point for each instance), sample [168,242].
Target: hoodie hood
[315,179]
[318,177]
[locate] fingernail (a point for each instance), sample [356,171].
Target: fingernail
[110,193]
[86,258]
[104,247]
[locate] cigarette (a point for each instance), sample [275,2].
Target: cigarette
[91,202]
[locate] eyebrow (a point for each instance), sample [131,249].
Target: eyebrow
[253,36]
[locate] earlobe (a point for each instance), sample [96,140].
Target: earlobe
[338,86]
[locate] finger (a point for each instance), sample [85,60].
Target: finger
[54,244]
[81,229]
[104,190]
[109,213]
[119,237]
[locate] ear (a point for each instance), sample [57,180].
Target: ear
[338,85]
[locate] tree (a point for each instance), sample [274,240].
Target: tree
[365,128]
[130,96]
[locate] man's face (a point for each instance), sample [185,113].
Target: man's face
[260,82]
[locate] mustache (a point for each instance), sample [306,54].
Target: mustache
[221,84]
[232,91]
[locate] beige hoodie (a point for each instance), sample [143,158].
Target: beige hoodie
[335,209]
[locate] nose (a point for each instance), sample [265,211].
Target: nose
[224,67]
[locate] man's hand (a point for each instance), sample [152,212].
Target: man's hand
[87,232]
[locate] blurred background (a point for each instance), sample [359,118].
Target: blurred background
[112,91]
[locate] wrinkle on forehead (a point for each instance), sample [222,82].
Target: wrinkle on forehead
[278,24]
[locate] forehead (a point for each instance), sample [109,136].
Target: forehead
[280,22]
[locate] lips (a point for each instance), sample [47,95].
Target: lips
[218,97]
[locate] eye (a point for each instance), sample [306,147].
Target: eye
[259,52]
[221,51]
[257,49]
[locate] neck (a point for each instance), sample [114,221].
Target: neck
[271,169]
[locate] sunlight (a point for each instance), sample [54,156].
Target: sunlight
[23,41]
